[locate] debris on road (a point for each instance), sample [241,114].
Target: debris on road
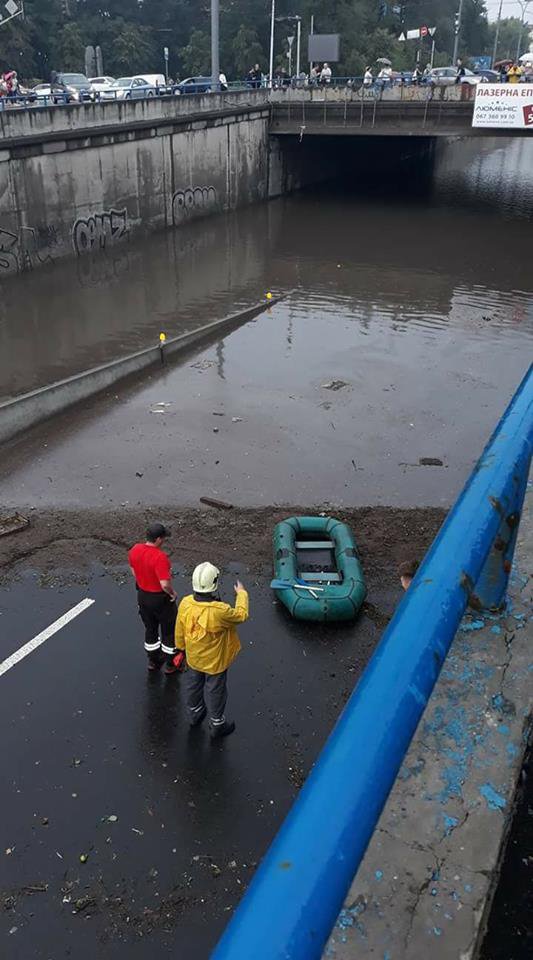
[219,504]
[236,420]
[203,364]
[217,413]
[13,524]
[334,385]
[83,858]
[430,462]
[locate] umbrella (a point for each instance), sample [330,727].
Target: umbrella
[502,63]
[526,58]
[384,61]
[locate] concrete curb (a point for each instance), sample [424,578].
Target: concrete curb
[426,883]
[25,411]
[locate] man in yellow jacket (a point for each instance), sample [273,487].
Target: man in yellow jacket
[205,630]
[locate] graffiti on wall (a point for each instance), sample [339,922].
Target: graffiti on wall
[100,230]
[26,250]
[193,202]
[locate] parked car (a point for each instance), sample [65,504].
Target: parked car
[195,85]
[53,93]
[76,85]
[488,76]
[447,76]
[156,80]
[100,83]
[128,88]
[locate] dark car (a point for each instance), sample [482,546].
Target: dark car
[195,85]
[489,76]
[75,87]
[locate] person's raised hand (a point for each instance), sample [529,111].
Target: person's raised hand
[238,587]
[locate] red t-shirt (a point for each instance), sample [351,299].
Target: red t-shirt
[150,565]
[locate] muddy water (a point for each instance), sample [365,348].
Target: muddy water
[392,256]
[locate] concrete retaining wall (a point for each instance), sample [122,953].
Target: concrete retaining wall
[124,169]
[31,408]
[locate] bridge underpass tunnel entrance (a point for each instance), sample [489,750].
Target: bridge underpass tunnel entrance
[357,164]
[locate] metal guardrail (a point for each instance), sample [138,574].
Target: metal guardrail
[296,895]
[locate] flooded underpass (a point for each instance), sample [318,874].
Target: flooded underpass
[368,391]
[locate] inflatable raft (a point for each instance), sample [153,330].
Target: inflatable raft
[317,571]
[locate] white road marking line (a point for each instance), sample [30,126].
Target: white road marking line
[32,645]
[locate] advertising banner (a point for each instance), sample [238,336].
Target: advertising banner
[504,105]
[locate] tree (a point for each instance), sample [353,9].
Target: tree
[72,48]
[246,50]
[195,57]
[507,39]
[133,48]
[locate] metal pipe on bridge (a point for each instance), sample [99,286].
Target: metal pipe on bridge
[296,895]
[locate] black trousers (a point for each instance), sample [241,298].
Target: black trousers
[206,690]
[158,613]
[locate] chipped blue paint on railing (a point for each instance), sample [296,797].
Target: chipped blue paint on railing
[297,893]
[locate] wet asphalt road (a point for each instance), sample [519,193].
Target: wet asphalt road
[87,734]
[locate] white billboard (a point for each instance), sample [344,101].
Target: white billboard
[504,105]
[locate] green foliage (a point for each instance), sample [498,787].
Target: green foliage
[246,50]
[72,48]
[132,34]
[196,55]
[508,38]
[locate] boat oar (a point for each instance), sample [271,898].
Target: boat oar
[293,585]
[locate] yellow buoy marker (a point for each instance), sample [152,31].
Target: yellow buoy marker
[162,337]
[269,295]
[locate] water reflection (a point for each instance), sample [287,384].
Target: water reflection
[456,255]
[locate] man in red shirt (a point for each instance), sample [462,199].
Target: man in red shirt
[156,597]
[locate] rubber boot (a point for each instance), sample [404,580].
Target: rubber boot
[221,729]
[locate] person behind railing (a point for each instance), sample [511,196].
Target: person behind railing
[255,77]
[426,76]
[416,75]
[460,72]
[223,82]
[385,76]
[514,73]
[314,75]
[11,83]
[368,78]
[325,75]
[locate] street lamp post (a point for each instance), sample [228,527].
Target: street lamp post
[271,58]
[524,4]
[497,34]
[298,44]
[215,54]
[458,19]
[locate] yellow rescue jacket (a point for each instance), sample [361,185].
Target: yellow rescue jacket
[207,633]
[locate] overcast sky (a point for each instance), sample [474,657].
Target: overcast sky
[510,9]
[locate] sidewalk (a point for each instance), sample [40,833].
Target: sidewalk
[427,880]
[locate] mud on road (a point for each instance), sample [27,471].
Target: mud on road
[61,543]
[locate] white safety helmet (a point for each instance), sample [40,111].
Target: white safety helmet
[205,578]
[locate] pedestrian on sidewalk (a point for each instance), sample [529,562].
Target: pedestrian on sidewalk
[205,630]
[156,597]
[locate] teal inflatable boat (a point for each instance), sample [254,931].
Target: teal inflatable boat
[317,571]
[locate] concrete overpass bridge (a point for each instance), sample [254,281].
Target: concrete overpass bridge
[396,112]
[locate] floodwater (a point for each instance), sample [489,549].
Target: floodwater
[407,326]
[398,260]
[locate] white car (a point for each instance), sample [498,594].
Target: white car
[98,84]
[128,88]
[447,76]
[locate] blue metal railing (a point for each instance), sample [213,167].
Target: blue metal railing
[296,895]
